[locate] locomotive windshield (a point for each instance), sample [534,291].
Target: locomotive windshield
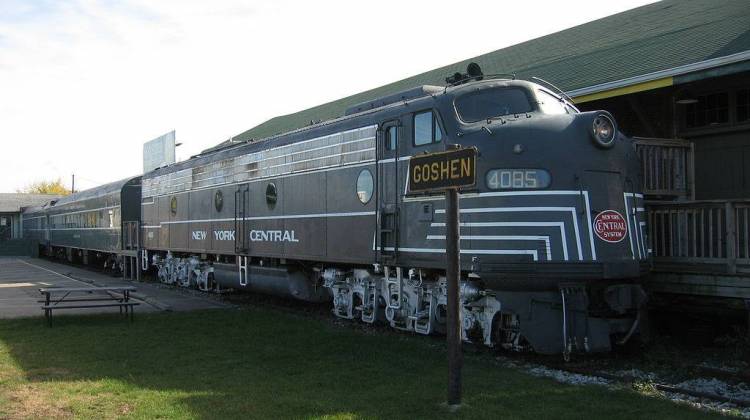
[489,103]
[551,104]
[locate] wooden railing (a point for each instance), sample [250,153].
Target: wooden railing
[668,167]
[700,235]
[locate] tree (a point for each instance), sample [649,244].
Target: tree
[46,187]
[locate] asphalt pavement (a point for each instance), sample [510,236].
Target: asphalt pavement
[21,278]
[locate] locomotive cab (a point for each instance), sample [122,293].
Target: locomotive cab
[556,215]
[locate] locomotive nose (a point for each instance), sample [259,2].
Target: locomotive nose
[611,178]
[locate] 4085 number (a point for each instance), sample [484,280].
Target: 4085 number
[512,179]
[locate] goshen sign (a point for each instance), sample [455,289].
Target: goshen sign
[439,171]
[610,226]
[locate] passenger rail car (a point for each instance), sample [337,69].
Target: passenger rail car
[552,236]
[86,226]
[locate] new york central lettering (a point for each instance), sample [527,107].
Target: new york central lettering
[224,235]
[273,236]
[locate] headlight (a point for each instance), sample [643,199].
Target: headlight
[603,130]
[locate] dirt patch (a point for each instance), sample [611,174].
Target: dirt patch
[30,401]
[125,409]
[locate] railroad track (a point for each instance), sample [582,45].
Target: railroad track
[630,380]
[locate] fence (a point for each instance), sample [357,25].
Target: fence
[668,167]
[700,235]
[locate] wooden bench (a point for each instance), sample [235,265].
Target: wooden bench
[69,298]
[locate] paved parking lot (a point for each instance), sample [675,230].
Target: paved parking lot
[21,279]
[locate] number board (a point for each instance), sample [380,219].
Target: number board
[438,171]
[510,179]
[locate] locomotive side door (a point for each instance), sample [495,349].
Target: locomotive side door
[388,191]
[241,209]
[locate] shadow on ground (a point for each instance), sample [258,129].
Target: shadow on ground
[262,363]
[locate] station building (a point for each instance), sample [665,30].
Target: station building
[676,76]
[11,207]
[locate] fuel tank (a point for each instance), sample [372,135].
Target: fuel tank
[277,281]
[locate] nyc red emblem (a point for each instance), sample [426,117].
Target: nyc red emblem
[610,226]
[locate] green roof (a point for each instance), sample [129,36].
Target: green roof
[641,41]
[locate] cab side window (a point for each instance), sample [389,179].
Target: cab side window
[426,129]
[391,138]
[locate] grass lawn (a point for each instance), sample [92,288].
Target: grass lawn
[265,363]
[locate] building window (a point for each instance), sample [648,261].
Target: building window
[743,105]
[709,110]
[426,129]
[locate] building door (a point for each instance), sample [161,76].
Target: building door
[388,191]
[6,228]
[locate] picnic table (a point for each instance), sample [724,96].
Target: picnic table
[87,298]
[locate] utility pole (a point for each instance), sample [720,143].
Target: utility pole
[73,184]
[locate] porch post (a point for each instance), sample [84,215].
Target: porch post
[731,238]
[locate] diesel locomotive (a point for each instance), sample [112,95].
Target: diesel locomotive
[552,236]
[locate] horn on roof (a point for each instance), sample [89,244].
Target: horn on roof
[473,72]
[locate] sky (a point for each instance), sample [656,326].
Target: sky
[83,83]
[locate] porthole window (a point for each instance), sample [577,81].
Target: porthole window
[219,201]
[365,186]
[271,195]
